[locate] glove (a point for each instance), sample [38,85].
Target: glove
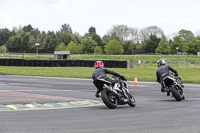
[122,77]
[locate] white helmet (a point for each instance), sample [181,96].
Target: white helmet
[160,62]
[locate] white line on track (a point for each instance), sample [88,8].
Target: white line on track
[45,90]
[77,83]
[129,82]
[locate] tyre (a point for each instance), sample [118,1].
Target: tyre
[109,99]
[131,101]
[175,93]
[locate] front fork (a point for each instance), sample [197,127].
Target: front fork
[125,92]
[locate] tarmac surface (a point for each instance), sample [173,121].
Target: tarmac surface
[66,105]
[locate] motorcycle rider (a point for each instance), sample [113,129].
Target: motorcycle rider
[99,77]
[162,72]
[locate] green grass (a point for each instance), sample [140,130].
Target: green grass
[72,72]
[146,73]
[189,75]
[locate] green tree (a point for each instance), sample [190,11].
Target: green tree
[77,38]
[186,35]
[14,44]
[66,28]
[28,28]
[74,48]
[194,46]
[92,30]
[49,44]
[5,34]
[163,46]
[98,50]
[95,37]
[26,43]
[151,44]
[114,47]
[178,42]
[130,47]
[3,49]
[99,41]
[88,44]
[66,38]
[61,47]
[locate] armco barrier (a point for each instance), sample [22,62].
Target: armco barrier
[62,63]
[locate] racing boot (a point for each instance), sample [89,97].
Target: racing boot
[183,97]
[162,89]
[98,94]
[167,90]
[168,93]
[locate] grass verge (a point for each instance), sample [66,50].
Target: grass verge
[189,75]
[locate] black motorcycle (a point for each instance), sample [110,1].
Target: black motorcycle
[113,95]
[174,87]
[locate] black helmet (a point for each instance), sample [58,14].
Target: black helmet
[160,62]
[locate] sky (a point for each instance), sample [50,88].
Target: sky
[49,15]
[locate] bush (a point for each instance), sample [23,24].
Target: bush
[3,49]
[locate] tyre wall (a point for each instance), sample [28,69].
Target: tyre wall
[62,63]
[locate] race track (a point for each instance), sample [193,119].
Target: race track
[62,105]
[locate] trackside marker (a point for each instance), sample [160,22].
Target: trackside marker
[135,81]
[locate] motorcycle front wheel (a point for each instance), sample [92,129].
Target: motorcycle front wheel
[109,99]
[131,101]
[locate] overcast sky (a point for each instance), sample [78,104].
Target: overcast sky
[48,15]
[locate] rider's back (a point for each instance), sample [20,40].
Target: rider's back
[98,72]
[163,70]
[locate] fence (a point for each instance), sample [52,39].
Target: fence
[183,62]
[132,63]
[174,62]
[28,56]
[137,63]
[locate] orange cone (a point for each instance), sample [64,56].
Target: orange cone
[135,81]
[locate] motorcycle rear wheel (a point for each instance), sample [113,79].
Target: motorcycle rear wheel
[109,99]
[175,93]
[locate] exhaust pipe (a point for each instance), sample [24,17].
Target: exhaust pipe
[111,90]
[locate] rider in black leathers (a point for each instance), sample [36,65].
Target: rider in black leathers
[99,77]
[163,71]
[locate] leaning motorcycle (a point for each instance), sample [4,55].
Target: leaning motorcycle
[112,96]
[174,87]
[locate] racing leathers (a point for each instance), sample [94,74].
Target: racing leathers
[99,78]
[162,72]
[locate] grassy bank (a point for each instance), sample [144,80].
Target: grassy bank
[189,75]
[146,73]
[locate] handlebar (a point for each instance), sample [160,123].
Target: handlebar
[124,79]
[173,74]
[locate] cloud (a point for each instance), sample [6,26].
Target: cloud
[7,19]
[60,6]
[171,15]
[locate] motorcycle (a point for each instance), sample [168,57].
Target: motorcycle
[112,96]
[174,87]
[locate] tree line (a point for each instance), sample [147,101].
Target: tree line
[120,39]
